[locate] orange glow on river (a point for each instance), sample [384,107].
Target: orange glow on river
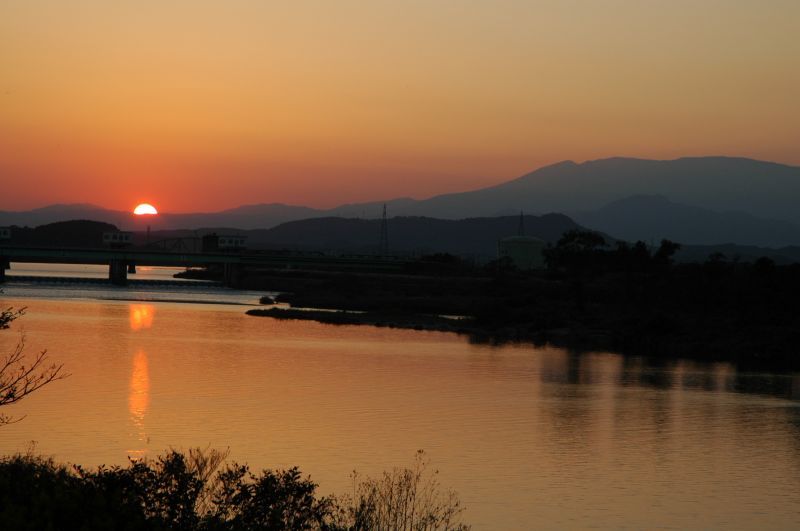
[141,316]
[139,398]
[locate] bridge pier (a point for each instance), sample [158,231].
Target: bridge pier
[118,272]
[232,275]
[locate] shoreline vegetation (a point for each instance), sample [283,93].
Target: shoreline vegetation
[593,295]
[345,317]
[200,490]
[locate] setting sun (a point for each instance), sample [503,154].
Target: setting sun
[145,209]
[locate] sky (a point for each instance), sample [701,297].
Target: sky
[204,105]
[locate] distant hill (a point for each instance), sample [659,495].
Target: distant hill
[653,217]
[477,236]
[75,233]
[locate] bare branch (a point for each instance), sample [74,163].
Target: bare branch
[18,378]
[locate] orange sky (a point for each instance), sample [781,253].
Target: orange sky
[209,104]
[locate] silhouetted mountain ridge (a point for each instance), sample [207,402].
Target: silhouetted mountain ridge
[729,188]
[759,188]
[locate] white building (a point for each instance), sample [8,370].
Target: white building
[117,239]
[231,242]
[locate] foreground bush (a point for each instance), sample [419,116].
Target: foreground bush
[198,490]
[407,498]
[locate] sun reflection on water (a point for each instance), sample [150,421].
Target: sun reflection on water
[139,399]
[141,316]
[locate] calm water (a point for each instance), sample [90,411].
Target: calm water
[529,437]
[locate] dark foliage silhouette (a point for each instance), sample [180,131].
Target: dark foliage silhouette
[198,491]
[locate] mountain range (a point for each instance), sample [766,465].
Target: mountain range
[700,201]
[762,189]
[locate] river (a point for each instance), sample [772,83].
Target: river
[529,437]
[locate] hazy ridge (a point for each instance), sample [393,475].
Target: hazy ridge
[702,201]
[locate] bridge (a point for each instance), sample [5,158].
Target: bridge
[123,261]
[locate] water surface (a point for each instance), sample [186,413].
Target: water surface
[529,437]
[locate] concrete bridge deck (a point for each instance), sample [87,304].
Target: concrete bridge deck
[121,261]
[139,282]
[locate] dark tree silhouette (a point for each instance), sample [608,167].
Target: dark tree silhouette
[581,241]
[663,256]
[576,251]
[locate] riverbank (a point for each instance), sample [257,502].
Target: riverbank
[734,313]
[344,317]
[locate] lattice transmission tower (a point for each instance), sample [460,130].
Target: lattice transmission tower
[384,245]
